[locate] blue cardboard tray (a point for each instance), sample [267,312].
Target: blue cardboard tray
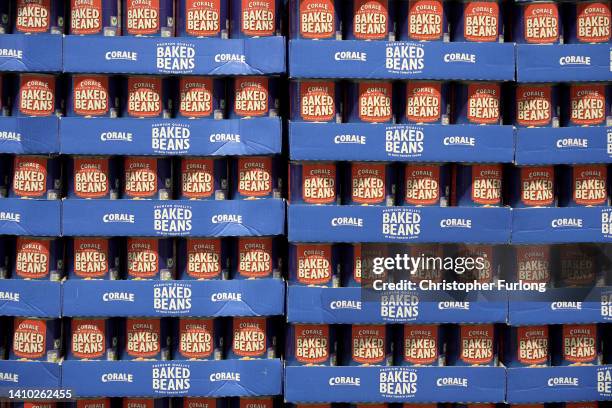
[29,298]
[31,53]
[30,217]
[29,374]
[23,135]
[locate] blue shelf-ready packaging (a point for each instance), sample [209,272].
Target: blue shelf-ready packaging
[29,374]
[31,53]
[23,135]
[30,217]
[27,298]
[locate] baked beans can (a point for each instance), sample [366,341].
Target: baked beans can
[424,20]
[253,96]
[92,339]
[94,17]
[487,265]
[536,105]
[144,403]
[39,259]
[427,271]
[533,264]
[314,183]
[39,16]
[369,102]
[202,258]
[197,402]
[89,403]
[36,177]
[478,21]
[358,263]
[145,339]
[92,258]
[150,258]
[147,97]
[588,104]
[310,345]
[31,404]
[588,22]
[252,19]
[478,103]
[577,344]
[473,345]
[420,345]
[198,339]
[369,183]
[36,339]
[316,19]
[533,186]
[252,402]
[579,265]
[316,101]
[93,177]
[257,258]
[314,264]
[423,184]
[92,96]
[147,178]
[200,97]
[256,177]
[369,20]
[478,185]
[585,185]
[368,345]
[148,18]
[203,178]
[527,346]
[425,102]
[538,22]
[251,338]
[586,404]
[204,19]
[38,95]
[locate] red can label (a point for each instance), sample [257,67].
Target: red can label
[144,96]
[370,19]
[317,101]
[90,257]
[93,403]
[375,102]
[142,17]
[36,95]
[532,344]
[85,17]
[421,344]
[481,21]
[204,258]
[30,176]
[251,96]
[317,19]
[88,338]
[138,403]
[577,267]
[368,183]
[259,402]
[143,257]
[319,183]
[532,264]
[423,102]
[589,185]
[198,177]
[537,185]
[143,337]
[483,102]
[191,402]
[90,177]
[593,22]
[255,257]
[426,20]
[196,95]
[477,344]
[368,344]
[29,338]
[255,176]
[202,19]
[311,343]
[422,184]
[482,274]
[32,258]
[33,16]
[541,23]
[140,176]
[579,343]
[258,18]
[196,337]
[588,104]
[314,266]
[486,184]
[358,264]
[249,339]
[533,105]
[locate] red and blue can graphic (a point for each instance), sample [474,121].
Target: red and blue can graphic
[425,102]
[93,177]
[478,103]
[39,258]
[316,20]
[38,95]
[198,339]
[147,178]
[369,20]
[585,185]
[145,339]
[200,97]
[487,263]
[358,270]
[36,339]
[39,16]
[316,101]
[251,338]
[253,96]
[424,184]
[369,102]
[36,177]
[538,22]
[147,97]
[314,264]
[150,258]
[478,185]
[314,183]
[580,265]
[588,22]
[478,21]
[367,345]
[577,344]
[148,18]
[588,104]
[205,19]
[473,345]
[92,339]
[256,177]
[424,20]
[202,258]
[532,264]
[427,271]
[310,345]
[369,183]
[527,346]
[203,178]
[94,17]
[197,402]
[92,96]
[533,186]
[257,258]
[256,18]
[420,345]
[536,105]
[92,258]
